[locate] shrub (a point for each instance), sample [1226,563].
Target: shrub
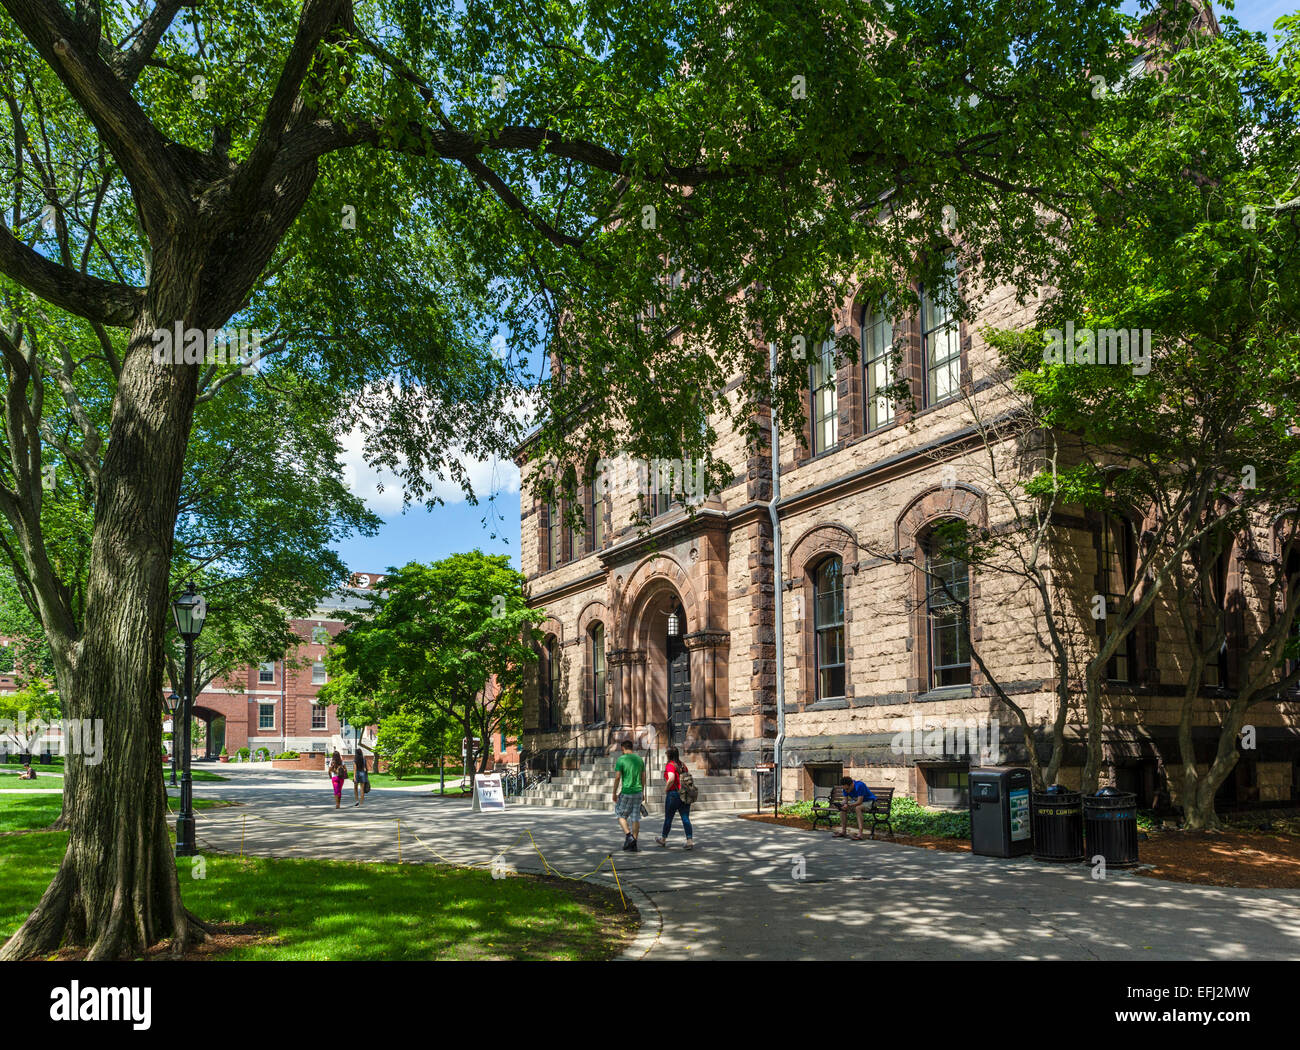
[243,754]
[907,818]
[287,755]
[262,754]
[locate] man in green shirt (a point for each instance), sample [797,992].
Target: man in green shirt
[629,788]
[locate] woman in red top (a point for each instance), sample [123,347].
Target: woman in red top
[673,799]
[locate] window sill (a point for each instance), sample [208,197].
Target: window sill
[831,703]
[947,692]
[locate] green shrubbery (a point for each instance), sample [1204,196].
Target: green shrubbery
[243,754]
[284,755]
[907,818]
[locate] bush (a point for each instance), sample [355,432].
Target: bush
[243,754]
[262,754]
[283,755]
[907,818]
[406,742]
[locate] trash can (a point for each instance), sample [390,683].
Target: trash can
[999,812]
[1110,824]
[1058,824]
[47,758]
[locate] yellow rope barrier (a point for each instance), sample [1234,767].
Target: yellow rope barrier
[610,858]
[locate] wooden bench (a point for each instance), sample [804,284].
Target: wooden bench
[827,808]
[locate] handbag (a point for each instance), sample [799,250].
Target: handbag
[645,810]
[366,783]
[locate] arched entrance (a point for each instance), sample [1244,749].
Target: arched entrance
[669,663]
[212,738]
[679,677]
[655,694]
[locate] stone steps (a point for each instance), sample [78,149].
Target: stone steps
[590,787]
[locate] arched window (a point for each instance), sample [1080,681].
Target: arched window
[553,534]
[878,362]
[825,399]
[1292,570]
[595,515]
[661,487]
[1216,667]
[828,624]
[1117,568]
[940,340]
[947,613]
[548,709]
[597,636]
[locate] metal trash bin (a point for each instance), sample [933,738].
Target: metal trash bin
[47,758]
[999,812]
[1110,824]
[1058,824]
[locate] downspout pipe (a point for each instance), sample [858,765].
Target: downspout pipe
[777,576]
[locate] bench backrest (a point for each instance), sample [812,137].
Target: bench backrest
[883,795]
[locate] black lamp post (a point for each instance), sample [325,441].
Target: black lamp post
[170,703]
[190,610]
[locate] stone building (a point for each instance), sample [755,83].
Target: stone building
[668,631]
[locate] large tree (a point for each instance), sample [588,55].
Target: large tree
[443,645]
[368,183]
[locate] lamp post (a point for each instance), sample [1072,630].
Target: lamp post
[170,703]
[189,610]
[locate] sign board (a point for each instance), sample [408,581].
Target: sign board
[1019,798]
[488,793]
[764,767]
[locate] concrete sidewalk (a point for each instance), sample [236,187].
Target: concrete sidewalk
[738,894]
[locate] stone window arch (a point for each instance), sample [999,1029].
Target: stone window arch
[810,555]
[914,531]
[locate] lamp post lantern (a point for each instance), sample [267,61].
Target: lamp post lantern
[170,703]
[189,611]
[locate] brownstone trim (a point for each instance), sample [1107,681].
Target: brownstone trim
[911,530]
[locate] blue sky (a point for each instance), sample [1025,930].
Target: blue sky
[427,535]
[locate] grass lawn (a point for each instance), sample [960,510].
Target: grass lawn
[379,780]
[32,812]
[196,775]
[52,777]
[312,909]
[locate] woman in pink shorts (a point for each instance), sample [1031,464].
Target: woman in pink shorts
[337,775]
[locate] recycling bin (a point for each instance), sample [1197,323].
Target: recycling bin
[1058,824]
[1110,824]
[999,812]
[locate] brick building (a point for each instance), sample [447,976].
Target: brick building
[273,705]
[669,631]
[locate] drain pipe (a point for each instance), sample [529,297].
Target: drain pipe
[779,751]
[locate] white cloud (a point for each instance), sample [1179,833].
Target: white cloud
[487,476]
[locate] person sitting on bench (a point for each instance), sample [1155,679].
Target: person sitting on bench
[28,772]
[857,796]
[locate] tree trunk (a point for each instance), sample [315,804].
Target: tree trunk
[116,891]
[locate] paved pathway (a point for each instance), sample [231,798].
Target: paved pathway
[735,896]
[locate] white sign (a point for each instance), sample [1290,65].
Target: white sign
[488,793]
